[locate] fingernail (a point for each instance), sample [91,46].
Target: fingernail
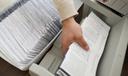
[87,48]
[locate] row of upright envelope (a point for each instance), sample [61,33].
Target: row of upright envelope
[25,31]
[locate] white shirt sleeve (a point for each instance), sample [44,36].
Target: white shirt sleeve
[66,8]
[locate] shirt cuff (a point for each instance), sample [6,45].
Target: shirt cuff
[66,8]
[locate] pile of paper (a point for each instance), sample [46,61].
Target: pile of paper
[27,30]
[79,62]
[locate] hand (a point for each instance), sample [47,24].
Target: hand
[71,32]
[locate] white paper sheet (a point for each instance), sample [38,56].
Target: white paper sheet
[79,62]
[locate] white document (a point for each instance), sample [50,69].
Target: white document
[79,62]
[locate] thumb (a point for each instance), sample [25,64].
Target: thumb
[83,44]
[65,46]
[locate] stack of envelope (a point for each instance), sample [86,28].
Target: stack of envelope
[28,29]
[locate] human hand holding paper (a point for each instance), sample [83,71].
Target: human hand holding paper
[72,32]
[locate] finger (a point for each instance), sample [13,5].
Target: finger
[83,44]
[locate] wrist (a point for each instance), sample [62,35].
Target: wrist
[68,21]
